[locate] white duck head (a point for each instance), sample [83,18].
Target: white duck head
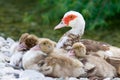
[73,19]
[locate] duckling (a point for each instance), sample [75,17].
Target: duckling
[78,50]
[37,52]
[62,66]
[26,41]
[31,59]
[48,46]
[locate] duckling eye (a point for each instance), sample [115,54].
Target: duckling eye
[41,63]
[44,43]
[76,48]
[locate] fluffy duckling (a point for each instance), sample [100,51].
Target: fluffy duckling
[26,41]
[101,69]
[48,46]
[53,42]
[44,46]
[78,50]
[62,66]
[32,58]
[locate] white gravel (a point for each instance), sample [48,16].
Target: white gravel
[8,73]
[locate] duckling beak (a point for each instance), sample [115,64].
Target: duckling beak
[36,48]
[60,25]
[22,47]
[71,53]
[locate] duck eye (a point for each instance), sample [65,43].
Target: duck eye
[71,16]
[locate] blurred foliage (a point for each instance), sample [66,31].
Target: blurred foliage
[39,17]
[95,12]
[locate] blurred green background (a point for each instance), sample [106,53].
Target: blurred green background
[39,17]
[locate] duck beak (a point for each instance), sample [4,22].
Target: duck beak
[60,25]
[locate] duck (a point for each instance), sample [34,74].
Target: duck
[76,21]
[96,65]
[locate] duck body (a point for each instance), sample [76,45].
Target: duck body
[67,41]
[102,49]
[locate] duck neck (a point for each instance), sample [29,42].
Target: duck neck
[77,29]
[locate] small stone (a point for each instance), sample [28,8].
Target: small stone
[83,79]
[10,41]
[72,78]
[4,58]
[116,79]
[2,39]
[107,79]
[32,75]
[7,77]
[49,78]
[61,78]
[26,78]
[2,65]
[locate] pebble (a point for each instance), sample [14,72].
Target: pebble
[7,77]
[32,75]
[72,78]
[49,78]
[83,79]
[107,79]
[116,79]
